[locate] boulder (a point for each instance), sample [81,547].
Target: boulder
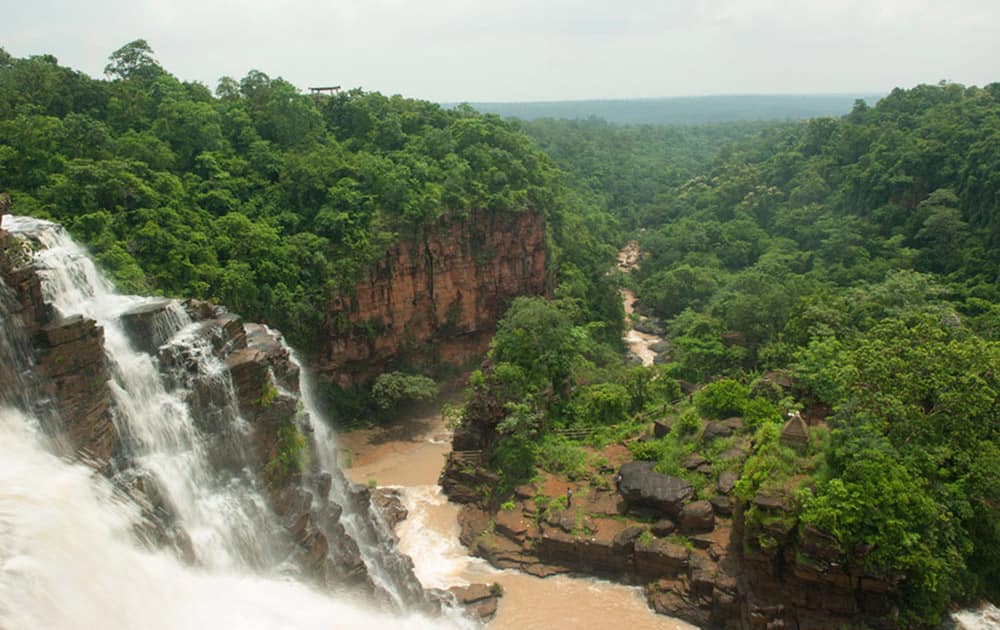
[772,503]
[150,324]
[650,326]
[626,538]
[735,423]
[727,481]
[697,517]
[660,346]
[660,428]
[663,527]
[471,593]
[389,503]
[644,487]
[693,461]
[715,430]
[722,505]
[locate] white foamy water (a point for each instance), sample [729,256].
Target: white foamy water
[430,535]
[986,617]
[67,562]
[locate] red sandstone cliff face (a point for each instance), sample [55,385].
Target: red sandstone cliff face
[438,296]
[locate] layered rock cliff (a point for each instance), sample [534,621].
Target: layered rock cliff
[435,298]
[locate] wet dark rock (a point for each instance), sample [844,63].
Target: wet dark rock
[269,342]
[661,346]
[650,326]
[145,325]
[389,503]
[478,600]
[75,374]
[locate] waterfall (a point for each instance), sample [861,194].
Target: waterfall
[365,525]
[72,549]
[224,517]
[67,562]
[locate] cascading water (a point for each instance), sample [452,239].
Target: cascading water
[68,554]
[224,517]
[364,525]
[67,561]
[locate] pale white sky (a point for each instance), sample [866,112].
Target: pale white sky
[477,50]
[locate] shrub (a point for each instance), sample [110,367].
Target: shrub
[290,455]
[757,411]
[560,455]
[601,404]
[392,387]
[721,399]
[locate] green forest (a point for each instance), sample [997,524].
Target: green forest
[857,257]
[256,196]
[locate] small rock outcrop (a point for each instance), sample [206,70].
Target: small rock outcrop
[479,600]
[71,368]
[644,487]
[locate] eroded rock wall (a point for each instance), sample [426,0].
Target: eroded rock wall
[70,369]
[435,298]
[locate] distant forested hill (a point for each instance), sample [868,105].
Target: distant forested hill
[688,110]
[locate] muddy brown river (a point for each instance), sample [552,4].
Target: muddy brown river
[411,457]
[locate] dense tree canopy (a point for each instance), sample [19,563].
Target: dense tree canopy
[859,256]
[258,197]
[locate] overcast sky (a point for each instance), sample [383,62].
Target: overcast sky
[482,50]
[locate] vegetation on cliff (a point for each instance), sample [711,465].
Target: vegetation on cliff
[858,257]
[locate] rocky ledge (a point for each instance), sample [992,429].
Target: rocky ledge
[694,557]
